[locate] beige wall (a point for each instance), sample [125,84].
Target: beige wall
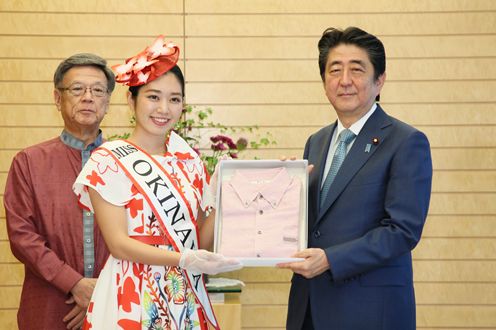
[254,62]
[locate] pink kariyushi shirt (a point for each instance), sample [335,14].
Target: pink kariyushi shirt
[260,214]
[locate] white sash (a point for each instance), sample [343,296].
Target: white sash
[168,204]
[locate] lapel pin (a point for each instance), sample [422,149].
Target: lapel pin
[375,141]
[367,147]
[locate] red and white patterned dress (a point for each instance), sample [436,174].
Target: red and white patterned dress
[130,295]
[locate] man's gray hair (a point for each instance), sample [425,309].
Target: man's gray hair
[84,59]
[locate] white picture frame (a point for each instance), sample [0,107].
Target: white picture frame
[295,168]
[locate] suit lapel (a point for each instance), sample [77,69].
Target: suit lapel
[318,158]
[375,127]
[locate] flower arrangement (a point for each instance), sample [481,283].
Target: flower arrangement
[219,145]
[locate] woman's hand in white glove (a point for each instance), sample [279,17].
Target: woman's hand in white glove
[203,261]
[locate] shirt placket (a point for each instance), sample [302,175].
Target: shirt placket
[88,234]
[260,219]
[88,218]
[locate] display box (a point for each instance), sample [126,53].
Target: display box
[261,211]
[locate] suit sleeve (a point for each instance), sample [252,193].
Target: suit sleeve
[26,242]
[307,148]
[406,203]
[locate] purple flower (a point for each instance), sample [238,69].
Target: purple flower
[215,139]
[231,145]
[218,147]
[225,141]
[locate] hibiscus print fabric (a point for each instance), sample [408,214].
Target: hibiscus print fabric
[131,295]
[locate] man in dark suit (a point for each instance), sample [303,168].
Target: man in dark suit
[369,194]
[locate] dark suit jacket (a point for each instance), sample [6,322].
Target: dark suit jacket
[372,219]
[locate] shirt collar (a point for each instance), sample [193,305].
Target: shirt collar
[270,184]
[358,125]
[73,142]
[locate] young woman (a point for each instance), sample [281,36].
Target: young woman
[149,194]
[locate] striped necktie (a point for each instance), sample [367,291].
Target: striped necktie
[344,139]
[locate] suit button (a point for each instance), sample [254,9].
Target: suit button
[316,234]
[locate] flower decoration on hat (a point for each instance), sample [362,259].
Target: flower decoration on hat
[148,65]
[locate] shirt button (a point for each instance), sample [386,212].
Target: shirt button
[258,255]
[260,196]
[260,232]
[316,234]
[89,266]
[88,214]
[260,212]
[88,240]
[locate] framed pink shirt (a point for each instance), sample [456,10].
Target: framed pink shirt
[260,213]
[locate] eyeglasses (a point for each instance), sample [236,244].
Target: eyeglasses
[78,90]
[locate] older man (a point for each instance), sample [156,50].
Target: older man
[60,248]
[368,199]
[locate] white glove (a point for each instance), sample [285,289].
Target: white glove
[203,261]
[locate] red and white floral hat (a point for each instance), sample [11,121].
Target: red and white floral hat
[148,65]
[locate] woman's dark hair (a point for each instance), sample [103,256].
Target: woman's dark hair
[176,71]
